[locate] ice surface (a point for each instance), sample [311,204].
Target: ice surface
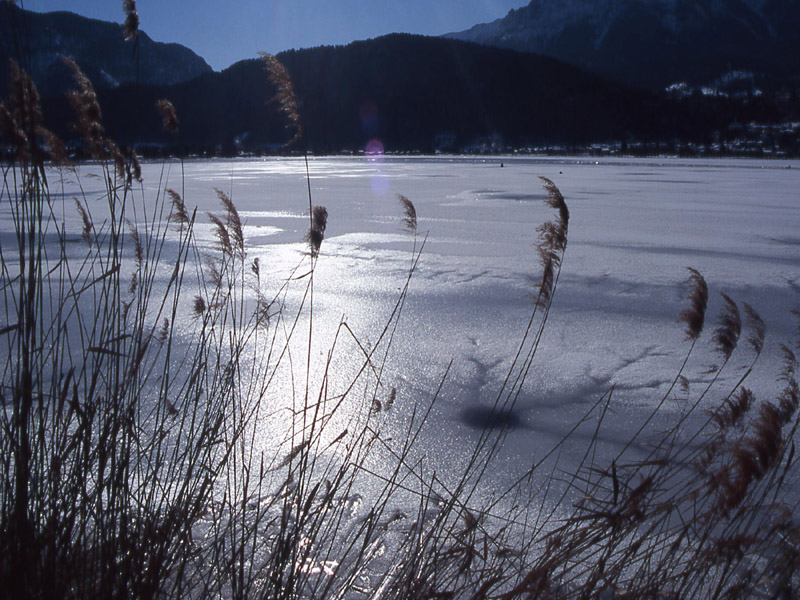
[636,225]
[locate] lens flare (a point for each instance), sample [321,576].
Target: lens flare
[374,150]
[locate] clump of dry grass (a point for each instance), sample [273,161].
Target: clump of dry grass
[109,451]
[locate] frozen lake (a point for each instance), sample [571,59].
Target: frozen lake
[635,227]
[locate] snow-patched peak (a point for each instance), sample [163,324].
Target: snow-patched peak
[616,37]
[99,48]
[547,18]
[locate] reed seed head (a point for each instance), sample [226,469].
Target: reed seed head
[729,327]
[758,328]
[391,398]
[134,165]
[319,218]
[262,311]
[221,233]
[87,110]
[169,118]
[788,401]
[314,238]
[130,28]
[23,129]
[199,306]
[285,95]
[178,214]
[119,161]
[86,232]
[734,409]
[410,214]
[549,263]
[214,274]
[27,107]
[552,243]
[555,199]
[553,235]
[754,456]
[137,243]
[11,131]
[316,232]
[163,331]
[694,316]
[767,441]
[233,222]
[789,364]
[53,148]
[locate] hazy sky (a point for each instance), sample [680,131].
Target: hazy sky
[224,32]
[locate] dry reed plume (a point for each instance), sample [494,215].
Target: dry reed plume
[169,117]
[410,218]
[87,109]
[729,327]
[130,29]
[316,231]
[694,317]
[285,95]
[552,242]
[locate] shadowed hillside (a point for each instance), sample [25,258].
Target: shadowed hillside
[97,46]
[655,43]
[410,92]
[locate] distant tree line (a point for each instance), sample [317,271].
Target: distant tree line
[414,93]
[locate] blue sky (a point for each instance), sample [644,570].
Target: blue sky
[224,32]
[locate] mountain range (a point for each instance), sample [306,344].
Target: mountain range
[400,92]
[410,92]
[656,43]
[38,40]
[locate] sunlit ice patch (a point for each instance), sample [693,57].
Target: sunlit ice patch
[380,184]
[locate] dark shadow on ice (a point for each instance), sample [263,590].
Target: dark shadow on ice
[518,197]
[480,417]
